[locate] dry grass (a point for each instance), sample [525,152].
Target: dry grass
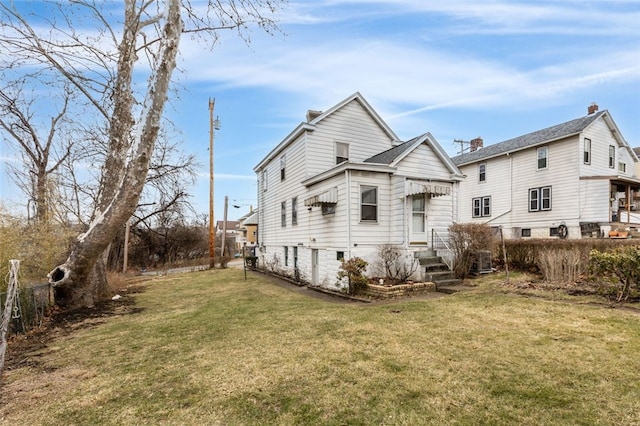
[210,348]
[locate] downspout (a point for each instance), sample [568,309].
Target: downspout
[348,183]
[510,193]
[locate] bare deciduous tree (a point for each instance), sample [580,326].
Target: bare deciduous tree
[101,65]
[44,149]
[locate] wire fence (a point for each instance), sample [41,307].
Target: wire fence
[31,304]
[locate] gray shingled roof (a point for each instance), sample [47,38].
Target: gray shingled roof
[637,151]
[531,139]
[390,155]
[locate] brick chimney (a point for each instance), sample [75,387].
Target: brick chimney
[476,144]
[592,108]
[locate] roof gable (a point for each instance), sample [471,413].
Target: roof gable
[397,153]
[311,125]
[559,131]
[357,97]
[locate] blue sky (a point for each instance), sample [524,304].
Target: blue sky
[458,69]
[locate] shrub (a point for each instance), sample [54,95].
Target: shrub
[396,263]
[466,240]
[621,264]
[353,269]
[556,260]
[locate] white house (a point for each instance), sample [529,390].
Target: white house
[570,180]
[341,184]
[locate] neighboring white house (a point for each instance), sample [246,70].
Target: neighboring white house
[341,185]
[570,180]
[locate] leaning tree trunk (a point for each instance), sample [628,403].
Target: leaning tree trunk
[80,281]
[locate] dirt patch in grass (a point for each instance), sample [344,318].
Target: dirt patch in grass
[581,292]
[27,349]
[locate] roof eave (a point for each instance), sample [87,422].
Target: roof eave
[511,151]
[296,133]
[342,167]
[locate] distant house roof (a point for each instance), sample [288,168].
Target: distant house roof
[559,131]
[251,219]
[231,224]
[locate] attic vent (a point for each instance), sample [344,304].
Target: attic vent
[312,115]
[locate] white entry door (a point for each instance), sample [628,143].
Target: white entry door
[418,231]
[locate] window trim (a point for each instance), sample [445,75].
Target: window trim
[482,172]
[328,208]
[364,188]
[478,206]
[283,167]
[294,211]
[544,149]
[286,255]
[612,157]
[622,167]
[337,157]
[586,151]
[283,214]
[540,199]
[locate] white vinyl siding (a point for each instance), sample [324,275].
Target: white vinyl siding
[350,123]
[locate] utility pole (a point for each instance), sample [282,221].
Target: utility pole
[224,225]
[213,126]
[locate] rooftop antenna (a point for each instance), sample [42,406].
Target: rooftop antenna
[464,145]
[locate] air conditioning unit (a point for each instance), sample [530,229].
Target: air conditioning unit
[481,262]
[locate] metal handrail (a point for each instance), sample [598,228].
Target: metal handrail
[440,245]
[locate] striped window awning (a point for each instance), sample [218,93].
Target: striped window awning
[434,189]
[326,197]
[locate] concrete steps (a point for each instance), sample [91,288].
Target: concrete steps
[433,269]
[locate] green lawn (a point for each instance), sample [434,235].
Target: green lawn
[211,348]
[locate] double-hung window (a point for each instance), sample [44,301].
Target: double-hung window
[612,156]
[283,214]
[622,167]
[481,207]
[342,152]
[543,154]
[283,166]
[540,199]
[294,211]
[586,153]
[368,203]
[482,172]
